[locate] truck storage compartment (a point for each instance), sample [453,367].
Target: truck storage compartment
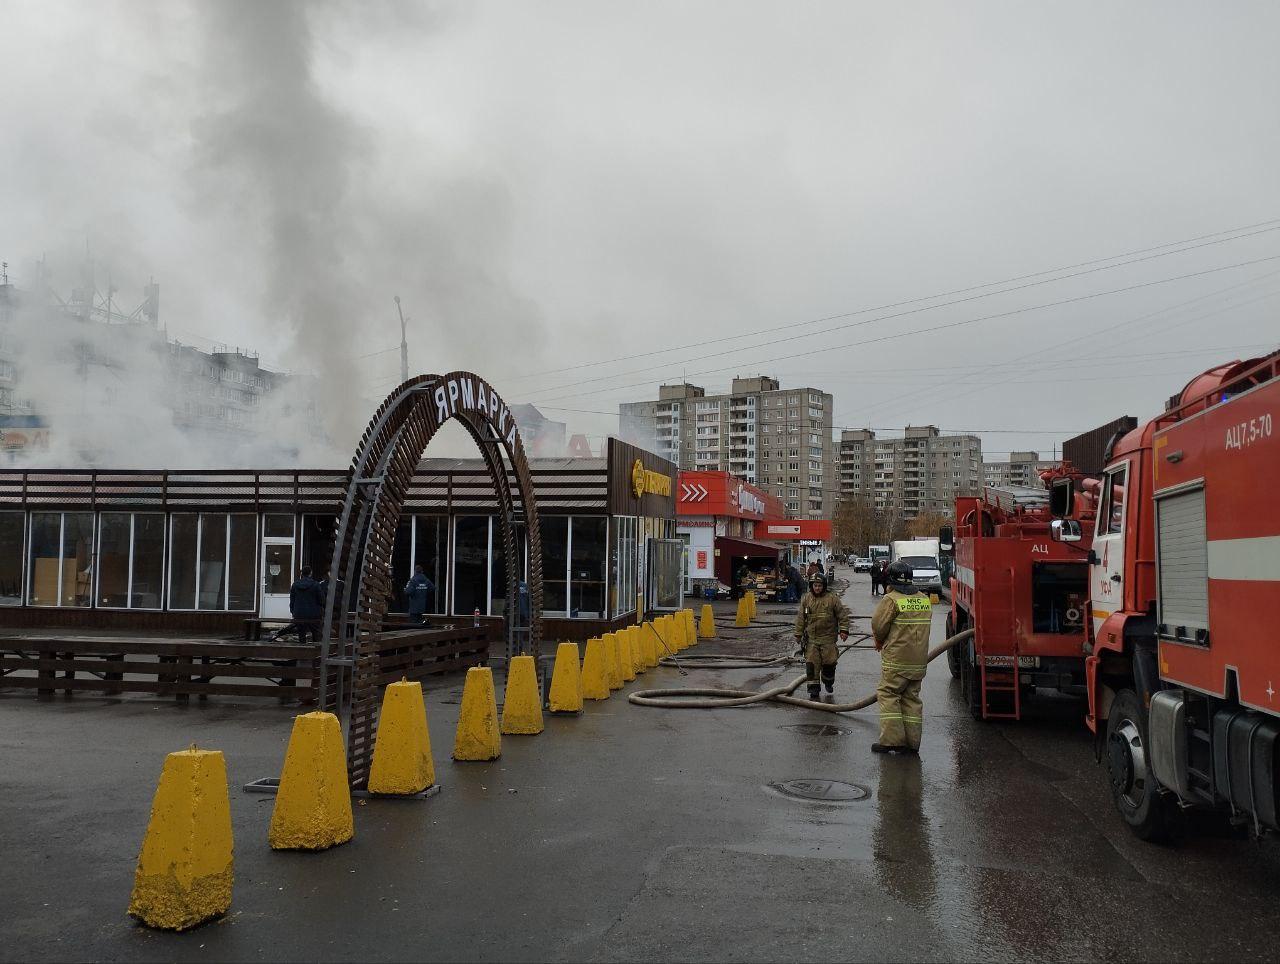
[1244,762]
[1058,594]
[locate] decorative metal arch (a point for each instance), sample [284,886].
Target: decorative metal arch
[381,471]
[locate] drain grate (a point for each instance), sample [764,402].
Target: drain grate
[826,791]
[817,729]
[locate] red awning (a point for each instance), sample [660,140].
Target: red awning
[729,550]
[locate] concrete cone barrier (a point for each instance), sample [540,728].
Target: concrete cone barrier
[648,645]
[184,871]
[595,671]
[313,804]
[638,662]
[677,631]
[743,617]
[751,604]
[612,665]
[477,734]
[626,662]
[690,628]
[402,763]
[707,627]
[522,702]
[565,695]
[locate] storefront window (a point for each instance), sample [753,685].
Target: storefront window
[11,553]
[213,561]
[555,565]
[498,579]
[588,547]
[470,564]
[130,560]
[401,570]
[61,558]
[431,552]
[317,543]
[623,551]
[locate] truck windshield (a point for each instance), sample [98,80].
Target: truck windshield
[920,562]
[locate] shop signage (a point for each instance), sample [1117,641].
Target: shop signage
[470,393]
[646,480]
[696,523]
[702,558]
[810,542]
[782,530]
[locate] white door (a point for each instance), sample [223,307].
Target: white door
[1106,575]
[277,565]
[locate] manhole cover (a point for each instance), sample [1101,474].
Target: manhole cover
[817,729]
[828,791]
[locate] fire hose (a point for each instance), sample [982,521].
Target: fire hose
[707,698]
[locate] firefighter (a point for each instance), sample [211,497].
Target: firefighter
[820,618]
[900,626]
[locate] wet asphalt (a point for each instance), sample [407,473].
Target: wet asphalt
[631,833]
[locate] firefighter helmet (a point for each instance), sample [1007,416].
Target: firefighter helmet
[899,574]
[818,577]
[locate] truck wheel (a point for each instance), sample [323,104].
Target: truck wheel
[1149,813]
[970,687]
[953,654]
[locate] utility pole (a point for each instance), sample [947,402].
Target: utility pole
[404,346]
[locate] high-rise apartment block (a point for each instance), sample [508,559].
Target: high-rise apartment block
[778,438]
[922,472]
[1022,468]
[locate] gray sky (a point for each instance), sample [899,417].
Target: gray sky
[558,184]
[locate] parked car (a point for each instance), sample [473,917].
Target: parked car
[861,563]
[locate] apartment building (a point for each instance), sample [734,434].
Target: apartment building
[779,439]
[1022,469]
[923,471]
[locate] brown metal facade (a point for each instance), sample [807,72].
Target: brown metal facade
[1086,452]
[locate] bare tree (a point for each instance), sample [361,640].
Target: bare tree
[926,524]
[858,524]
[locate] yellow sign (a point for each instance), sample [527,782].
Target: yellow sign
[644,480]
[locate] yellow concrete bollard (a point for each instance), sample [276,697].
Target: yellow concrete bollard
[612,665]
[566,681]
[522,702]
[402,763]
[477,735]
[626,662]
[742,618]
[680,629]
[934,598]
[648,645]
[595,671]
[751,604]
[690,628]
[638,663]
[707,627]
[313,804]
[185,867]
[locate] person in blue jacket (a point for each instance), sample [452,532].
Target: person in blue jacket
[417,592]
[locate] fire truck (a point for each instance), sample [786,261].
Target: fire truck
[1183,664]
[1025,596]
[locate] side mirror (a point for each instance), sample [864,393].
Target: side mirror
[946,539]
[1062,498]
[1065,530]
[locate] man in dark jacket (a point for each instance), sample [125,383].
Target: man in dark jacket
[796,583]
[417,591]
[306,606]
[878,580]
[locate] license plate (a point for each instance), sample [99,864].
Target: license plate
[1029,662]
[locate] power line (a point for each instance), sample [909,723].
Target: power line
[1260,227]
[944,327]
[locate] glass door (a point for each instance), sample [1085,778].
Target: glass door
[278,547]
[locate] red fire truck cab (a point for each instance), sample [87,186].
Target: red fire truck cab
[1023,593]
[1183,665]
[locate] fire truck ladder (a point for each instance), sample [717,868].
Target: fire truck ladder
[1001,679]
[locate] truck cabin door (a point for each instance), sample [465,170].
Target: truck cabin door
[1106,573]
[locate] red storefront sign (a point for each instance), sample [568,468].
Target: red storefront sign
[721,494]
[794,530]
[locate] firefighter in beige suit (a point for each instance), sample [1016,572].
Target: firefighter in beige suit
[900,626]
[821,617]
